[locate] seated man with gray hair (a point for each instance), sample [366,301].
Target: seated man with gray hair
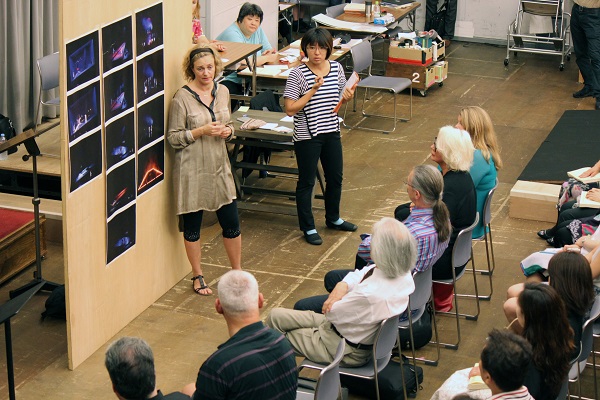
[256,362]
[130,364]
[357,305]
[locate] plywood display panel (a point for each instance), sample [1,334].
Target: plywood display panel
[102,299]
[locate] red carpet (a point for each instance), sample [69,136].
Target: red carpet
[11,220]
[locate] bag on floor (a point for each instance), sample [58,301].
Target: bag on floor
[421,332]
[6,127]
[56,306]
[390,382]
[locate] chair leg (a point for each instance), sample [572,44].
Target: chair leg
[402,369]
[471,317]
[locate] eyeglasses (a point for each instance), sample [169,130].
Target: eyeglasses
[408,184]
[434,144]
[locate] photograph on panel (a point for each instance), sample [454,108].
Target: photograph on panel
[151,121]
[119,139]
[150,75]
[151,167]
[86,160]
[120,187]
[117,44]
[83,108]
[82,60]
[118,92]
[120,232]
[149,29]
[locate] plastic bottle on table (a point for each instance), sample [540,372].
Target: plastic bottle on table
[376,10]
[4,154]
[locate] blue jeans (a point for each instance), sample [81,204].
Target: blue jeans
[585,31]
[328,148]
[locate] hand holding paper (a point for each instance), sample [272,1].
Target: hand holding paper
[348,90]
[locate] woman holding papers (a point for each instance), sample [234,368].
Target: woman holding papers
[199,126]
[311,93]
[571,209]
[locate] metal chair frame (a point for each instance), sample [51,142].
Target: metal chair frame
[462,252]
[386,339]
[362,58]
[487,231]
[328,385]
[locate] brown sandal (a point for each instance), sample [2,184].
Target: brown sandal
[203,285]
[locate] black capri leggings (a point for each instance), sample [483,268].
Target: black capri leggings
[227,216]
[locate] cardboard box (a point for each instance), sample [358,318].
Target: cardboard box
[441,71]
[422,77]
[413,56]
[534,201]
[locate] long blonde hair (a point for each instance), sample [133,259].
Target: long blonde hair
[196,12]
[478,123]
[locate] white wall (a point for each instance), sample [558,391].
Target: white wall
[222,13]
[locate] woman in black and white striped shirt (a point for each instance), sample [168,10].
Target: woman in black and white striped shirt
[312,91]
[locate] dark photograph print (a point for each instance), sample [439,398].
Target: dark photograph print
[150,75]
[120,140]
[120,187]
[149,29]
[120,234]
[84,110]
[86,160]
[82,60]
[151,167]
[118,92]
[117,44]
[151,121]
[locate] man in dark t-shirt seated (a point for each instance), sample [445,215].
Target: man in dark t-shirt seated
[256,362]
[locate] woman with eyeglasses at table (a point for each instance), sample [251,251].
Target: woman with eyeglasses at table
[453,150]
[312,91]
[199,126]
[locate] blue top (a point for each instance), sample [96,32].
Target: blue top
[234,34]
[484,176]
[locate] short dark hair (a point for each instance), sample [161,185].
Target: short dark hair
[130,364]
[253,10]
[319,36]
[506,357]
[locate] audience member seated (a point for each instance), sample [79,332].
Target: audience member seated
[453,151]
[543,316]
[503,365]
[428,222]
[256,362]
[358,304]
[570,275]
[486,159]
[247,29]
[130,364]
[568,209]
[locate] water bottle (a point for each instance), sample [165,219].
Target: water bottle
[376,10]
[4,154]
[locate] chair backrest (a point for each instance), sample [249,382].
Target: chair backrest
[422,292]
[550,8]
[461,252]
[328,384]
[48,69]
[362,56]
[335,11]
[385,339]
[487,207]
[587,340]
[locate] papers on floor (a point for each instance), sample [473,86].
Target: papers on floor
[577,175]
[336,23]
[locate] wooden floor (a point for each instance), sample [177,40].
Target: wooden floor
[524,101]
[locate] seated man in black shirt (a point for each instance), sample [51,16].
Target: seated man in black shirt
[256,362]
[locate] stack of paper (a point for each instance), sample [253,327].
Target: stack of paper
[584,202]
[336,23]
[577,175]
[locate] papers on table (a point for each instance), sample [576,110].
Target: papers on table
[283,129]
[354,26]
[287,118]
[295,44]
[351,43]
[269,126]
[285,73]
[267,70]
[294,52]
